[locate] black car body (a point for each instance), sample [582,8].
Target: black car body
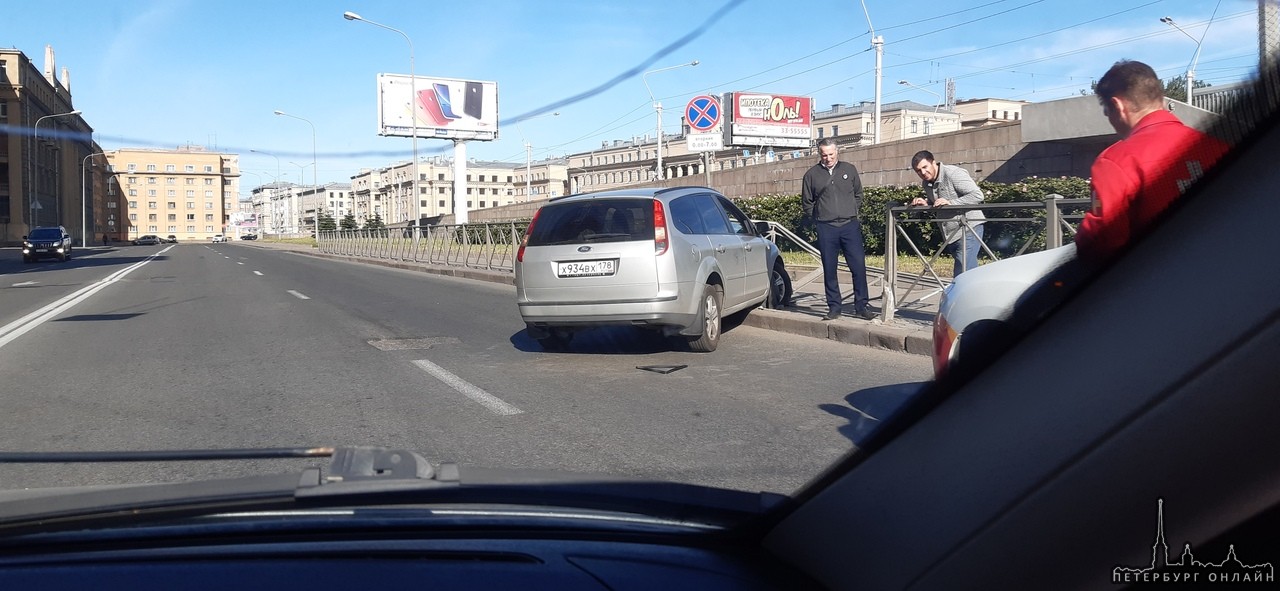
[50,242]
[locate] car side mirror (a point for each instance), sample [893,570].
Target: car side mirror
[762,228]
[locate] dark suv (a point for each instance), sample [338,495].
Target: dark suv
[52,241]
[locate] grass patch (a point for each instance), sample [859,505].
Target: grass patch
[304,241]
[906,263]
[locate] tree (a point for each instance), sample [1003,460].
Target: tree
[374,223]
[1176,88]
[327,223]
[349,222]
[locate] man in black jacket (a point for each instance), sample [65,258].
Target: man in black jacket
[830,194]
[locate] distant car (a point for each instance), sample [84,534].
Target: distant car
[147,239]
[674,260]
[171,239]
[219,238]
[249,237]
[51,241]
[987,293]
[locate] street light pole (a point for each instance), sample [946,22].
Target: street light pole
[936,105]
[528,157]
[413,110]
[315,170]
[35,154]
[275,191]
[84,201]
[657,108]
[1191,69]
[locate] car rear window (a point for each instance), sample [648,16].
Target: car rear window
[594,221]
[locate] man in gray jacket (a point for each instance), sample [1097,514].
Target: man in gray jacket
[946,184]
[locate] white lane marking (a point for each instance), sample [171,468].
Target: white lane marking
[297,295]
[240,263]
[25,283]
[257,273]
[21,326]
[493,403]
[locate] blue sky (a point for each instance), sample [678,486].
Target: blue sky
[161,73]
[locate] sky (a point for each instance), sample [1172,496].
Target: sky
[165,73]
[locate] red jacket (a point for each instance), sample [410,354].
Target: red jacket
[1136,178]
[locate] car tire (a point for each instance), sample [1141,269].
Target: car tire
[779,288]
[709,316]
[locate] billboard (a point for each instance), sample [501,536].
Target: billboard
[764,119]
[442,107]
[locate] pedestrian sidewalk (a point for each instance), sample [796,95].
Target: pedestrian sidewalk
[910,331]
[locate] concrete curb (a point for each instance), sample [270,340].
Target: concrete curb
[915,341]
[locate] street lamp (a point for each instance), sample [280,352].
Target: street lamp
[275,191]
[1191,69]
[528,156]
[657,107]
[35,154]
[413,109]
[935,105]
[315,170]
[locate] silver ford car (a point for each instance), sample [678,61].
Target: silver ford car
[675,260]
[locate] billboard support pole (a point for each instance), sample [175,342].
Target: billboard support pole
[459,181]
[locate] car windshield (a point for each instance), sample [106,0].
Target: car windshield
[435,245]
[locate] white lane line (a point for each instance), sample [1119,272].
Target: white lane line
[297,295]
[259,273]
[25,283]
[493,403]
[240,263]
[21,326]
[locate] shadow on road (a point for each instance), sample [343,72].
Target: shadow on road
[869,407]
[618,340]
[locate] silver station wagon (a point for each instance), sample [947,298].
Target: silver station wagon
[675,260]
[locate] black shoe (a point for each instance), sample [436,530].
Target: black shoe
[832,315]
[864,314]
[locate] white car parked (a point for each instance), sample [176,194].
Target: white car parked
[219,238]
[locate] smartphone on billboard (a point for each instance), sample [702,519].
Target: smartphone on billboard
[474,105]
[430,105]
[442,98]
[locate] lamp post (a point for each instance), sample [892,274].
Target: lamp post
[528,156]
[315,170]
[275,192]
[413,109]
[935,105]
[1191,69]
[35,154]
[84,201]
[302,181]
[657,108]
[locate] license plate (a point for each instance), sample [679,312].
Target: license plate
[587,268]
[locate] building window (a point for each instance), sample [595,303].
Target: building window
[170,168]
[133,192]
[111,205]
[191,228]
[441,203]
[151,180]
[481,205]
[1006,114]
[927,126]
[151,192]
[171,193]
[208,168]
[133,217]
[189,168]
[173,217]
[173,205]
[152,229]
[440,177]
[495,179]
[441,190]
[994,114]
[190,181]
[133,205]
[208,228]
[820,136]
[132,167]
[835,130]
[208,181]
[208,205]
[151,168]
[151,217]
[208,217]
[915,126]
[151,205]
[191,217]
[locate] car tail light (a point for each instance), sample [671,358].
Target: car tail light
[943,338]
[525,241]
[659,228]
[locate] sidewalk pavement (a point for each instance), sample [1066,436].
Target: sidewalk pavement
[910,331]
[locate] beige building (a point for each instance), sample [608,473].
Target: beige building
[43,154]
[384,192]
[188,192]
[989,111]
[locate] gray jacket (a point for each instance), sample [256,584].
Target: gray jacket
[956,186]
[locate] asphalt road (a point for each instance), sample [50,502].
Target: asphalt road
[235,346]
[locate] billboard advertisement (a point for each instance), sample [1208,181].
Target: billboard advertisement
[764,119]
[441,107]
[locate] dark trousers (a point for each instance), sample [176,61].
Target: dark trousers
[847,239]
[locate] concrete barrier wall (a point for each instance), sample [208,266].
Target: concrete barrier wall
[995,153]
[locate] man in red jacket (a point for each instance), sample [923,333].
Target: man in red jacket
[1154,162]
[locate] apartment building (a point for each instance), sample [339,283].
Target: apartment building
[989,111]
[384,192]
[189,192]
[43,152]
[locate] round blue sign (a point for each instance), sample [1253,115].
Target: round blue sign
[703,113]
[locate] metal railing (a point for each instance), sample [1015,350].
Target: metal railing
[1055,224]
[490,246]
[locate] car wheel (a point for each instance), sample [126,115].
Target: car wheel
[709,315]
[779,288]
